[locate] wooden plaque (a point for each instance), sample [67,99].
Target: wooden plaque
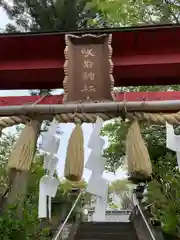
[88,68]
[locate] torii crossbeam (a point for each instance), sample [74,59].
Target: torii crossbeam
[141,56]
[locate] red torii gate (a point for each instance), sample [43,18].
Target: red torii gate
[141,56]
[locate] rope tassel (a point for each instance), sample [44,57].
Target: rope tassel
[24,149]
[139,164]
[19,163]
[75,155]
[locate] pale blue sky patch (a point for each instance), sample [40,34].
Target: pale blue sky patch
[3,19]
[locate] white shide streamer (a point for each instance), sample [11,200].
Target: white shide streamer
[97,185]
[48,183]
[173,141]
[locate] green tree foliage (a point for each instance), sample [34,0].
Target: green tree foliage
[48,15]
[27,225]
[123,189]
[120,13]
[6,141]
[163,192]
[116,131]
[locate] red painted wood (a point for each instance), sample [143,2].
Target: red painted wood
[25,100]
[57,99]
[142,56]
[147,96]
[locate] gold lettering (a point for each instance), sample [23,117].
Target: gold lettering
[87,52]
[88,88]
[88,63]
[89,76]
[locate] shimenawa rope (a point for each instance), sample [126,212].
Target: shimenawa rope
[153,118]
[15,120]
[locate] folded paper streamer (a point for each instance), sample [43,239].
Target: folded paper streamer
[47,188]
[173,141]
[53,128]
[97,185]
[100,207]
[48,184]
[96,164]
[98,145]
[93,140]
[51,140]
[50,163]
[51,144]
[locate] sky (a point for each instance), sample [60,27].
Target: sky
[66,128]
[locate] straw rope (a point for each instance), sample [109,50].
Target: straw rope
[14,120]
[153,118]
[83,117]
[138,159]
